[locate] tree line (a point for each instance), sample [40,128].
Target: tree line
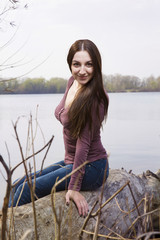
[126,83]
[112,83]
[33,86]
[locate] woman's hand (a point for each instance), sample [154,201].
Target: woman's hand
[79,200]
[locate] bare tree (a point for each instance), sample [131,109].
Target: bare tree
[6,9]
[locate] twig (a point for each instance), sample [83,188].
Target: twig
[31,70]
[156,210]
[132,210]
[10,40]
[100,204]
[67,176]
[56,221]
[28,179]
[147,235]
[34,162]
[86,220]
[49,143]
[38,125]
[146,208]
[6,199]
[150,207]
[105,236]
[53,194]
[20,193]
[129,216]
[115,194]
[28,137]
[111,231]
[32,190]
[13,54]
[136,206]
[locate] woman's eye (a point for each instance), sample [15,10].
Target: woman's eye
[89,64]
[75,64]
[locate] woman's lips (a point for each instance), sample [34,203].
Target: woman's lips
[83,77]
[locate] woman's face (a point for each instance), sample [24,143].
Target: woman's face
[82,67]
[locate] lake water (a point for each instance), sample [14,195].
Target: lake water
[131,133]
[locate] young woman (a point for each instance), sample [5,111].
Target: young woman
[81,111]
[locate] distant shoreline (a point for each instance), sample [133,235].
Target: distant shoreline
[112,84]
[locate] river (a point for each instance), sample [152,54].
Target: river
[131,134]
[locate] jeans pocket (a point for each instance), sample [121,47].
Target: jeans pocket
[102,178]
[94,175]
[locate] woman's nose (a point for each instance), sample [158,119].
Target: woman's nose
[82,70]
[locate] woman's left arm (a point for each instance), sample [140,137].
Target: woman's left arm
[83,145]
[81,155]
[82,149]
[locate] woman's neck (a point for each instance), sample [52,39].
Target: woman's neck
[77,85]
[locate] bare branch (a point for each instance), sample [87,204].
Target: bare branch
[4,165]
[147,235]
[10,40]
[86,220]
[115,194]
[48,144]
[6,199]
[57,221]
[136,206]
[31,70]
[17,51]
[100,205]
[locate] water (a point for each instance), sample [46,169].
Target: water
[131,133]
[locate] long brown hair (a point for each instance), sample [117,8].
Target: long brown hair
[90,95]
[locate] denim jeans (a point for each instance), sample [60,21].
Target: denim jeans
[45,180]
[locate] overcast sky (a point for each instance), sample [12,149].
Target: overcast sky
[127,33]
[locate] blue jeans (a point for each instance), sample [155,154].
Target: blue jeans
[45,180]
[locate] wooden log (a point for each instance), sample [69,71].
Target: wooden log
[126,198]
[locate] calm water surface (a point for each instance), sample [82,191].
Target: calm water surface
[131,133]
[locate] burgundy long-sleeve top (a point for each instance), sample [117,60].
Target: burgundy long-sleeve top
[87,147]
